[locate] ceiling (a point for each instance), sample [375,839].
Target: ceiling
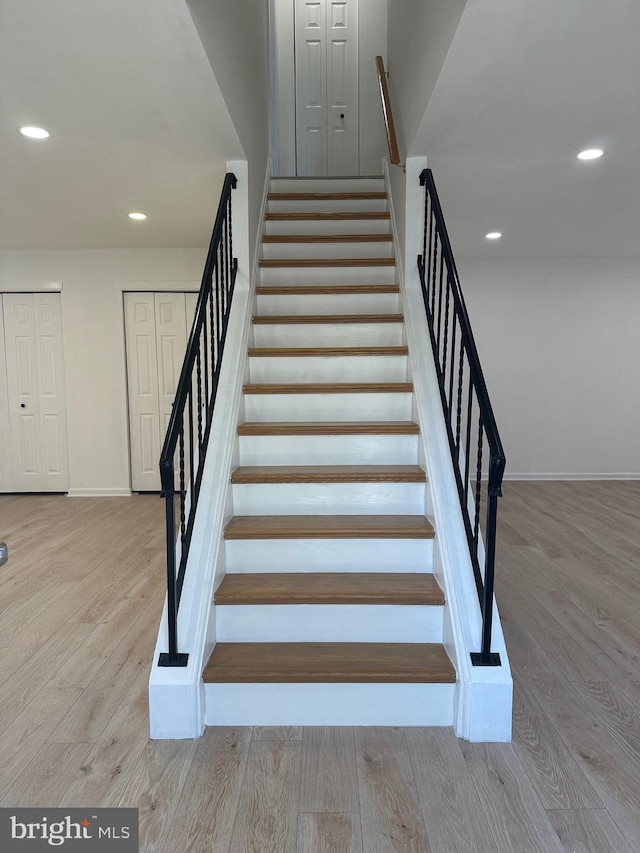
[526,85]
[139,123]
[137,118]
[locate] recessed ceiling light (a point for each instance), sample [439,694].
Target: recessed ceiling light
[35,132]
[137,216]
[590,154]
[493,235]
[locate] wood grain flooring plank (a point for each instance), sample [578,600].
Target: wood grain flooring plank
[329,832]
[44,779]
[589,831]
[23,686]
[453,816]
[613,772]
[266,820]
[206,811]
[104,774]
[155,788]
[329,775]
[21,741]
[553,772]
[391,818]
[513,810]
[277,733]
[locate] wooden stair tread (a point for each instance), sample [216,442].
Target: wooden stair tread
[327,196]
[323,216]
[330,388]
[328,474]
[327,262]
[293,319]
[324,289]
[305,352]
[329,527]
[329,588]
[329,662]
[329,428]
[327,238]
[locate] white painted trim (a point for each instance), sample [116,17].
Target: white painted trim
[176,695]
[483,694]
[573,476]
[30,286]
[99,493]
[394,224]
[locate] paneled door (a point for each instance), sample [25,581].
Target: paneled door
[34,427]
[157,327]
[326,47]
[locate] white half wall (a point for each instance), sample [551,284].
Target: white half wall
[559,345]
[94,345]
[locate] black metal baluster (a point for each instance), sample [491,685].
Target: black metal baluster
[445,342]
[454,330]
[183,491]
[205,348]
[199,400]
[459,401]
[440,304]
[467,446]
[478,494]
[191,467]
[433,278]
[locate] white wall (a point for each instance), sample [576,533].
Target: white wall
[235,36]
[94,346]
[420,33]
[559,345]
[372,40]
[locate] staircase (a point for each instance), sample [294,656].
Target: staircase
[328,611]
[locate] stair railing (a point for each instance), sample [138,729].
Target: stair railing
[185,444]
[465,402]
[387,113]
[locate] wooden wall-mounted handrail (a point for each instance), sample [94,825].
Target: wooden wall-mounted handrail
[392,142]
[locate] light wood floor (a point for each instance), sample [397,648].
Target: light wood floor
[79,603]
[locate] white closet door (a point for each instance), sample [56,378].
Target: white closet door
[6,480]
[311,87]
[157,327]
[326,47]
[142,376]
[35,386]
[342,86]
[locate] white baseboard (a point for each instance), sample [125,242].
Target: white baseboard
[573,476]
[99,493]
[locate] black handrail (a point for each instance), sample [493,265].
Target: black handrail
[192,413]
[465,402]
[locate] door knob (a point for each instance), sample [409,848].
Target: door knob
[341,115]
[23,405]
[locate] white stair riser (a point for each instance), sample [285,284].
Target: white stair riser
[328,407]
[374,184]
[327,226]
[328,369]
[382,249]
[329,303]
[325,205]
[329,498]
[339,623]
[327,275]
[329,704]
[329,555]
[328,449]
[328,334]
